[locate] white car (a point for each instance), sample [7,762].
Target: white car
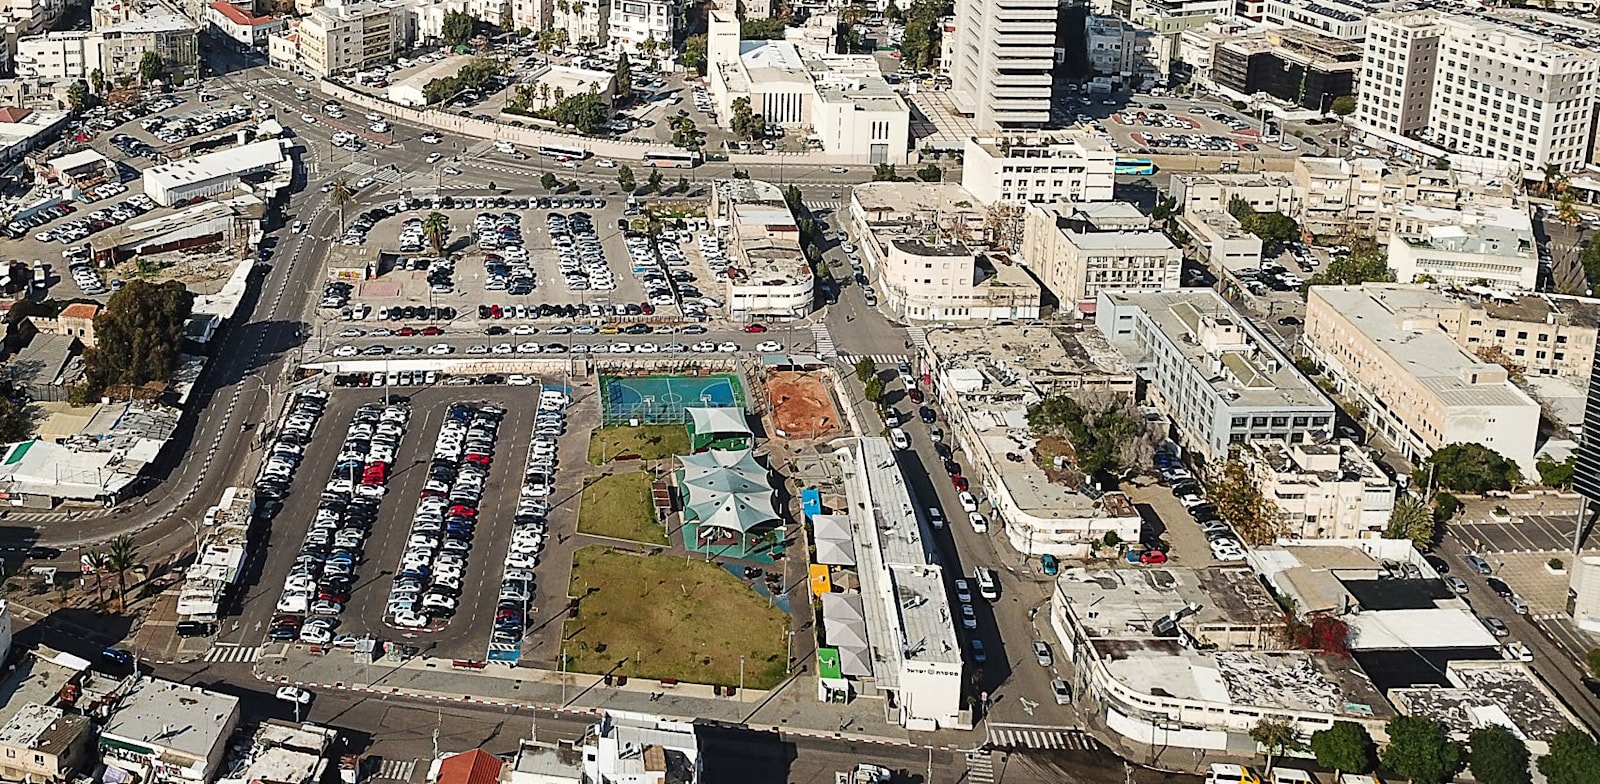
[968,502]
[605,163]
[441,348]
[704,347]
[769,346]
[728,348]
[838,170]
[1227,550]
[900,439]
[307,118]
[518,380]
[431,138]
[345,351]
[294,694]
[434,158]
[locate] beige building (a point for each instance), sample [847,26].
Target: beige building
[61,55]
[128,30]
[1323,490]
[43,743]
[353,36]
[1339,197]
[1381,346]
[1071,165]
[1077,266]
[768,274]
[1547,334]
[1220,241]
[1266,192]
[1467,253]
[169,732]
[934,257]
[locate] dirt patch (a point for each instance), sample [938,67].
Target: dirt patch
[801,405]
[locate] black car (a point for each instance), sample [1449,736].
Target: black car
[928,415]
[1290,321]
[1437,563]
[1499,587]
[42,553]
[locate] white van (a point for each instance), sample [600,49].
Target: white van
[1223,773]
[988,583]
[505,147]
[1289,776]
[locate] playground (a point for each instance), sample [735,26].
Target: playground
[660,400]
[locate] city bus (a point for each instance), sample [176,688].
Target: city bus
[1135,166]
[675,159]
[563,150]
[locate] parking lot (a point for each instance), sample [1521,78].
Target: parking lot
[451,517]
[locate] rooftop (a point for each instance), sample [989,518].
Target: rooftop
[1489,692]
[43,728]
[223,163]
[239,15]
[1401,322]
[186,719]
[1288,681]
[1127,603]
[1127,241]
[1341,460]
[629,745]
[39,677]
[1060,144]
[765,239]
[1011,359]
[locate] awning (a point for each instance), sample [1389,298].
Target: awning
[835,545]
[728,420]
[844,625]
[129,746]
[732,513]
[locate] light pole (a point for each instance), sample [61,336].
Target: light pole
[741,675]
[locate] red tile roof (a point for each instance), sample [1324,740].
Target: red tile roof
[472,767]
[82,310]
[238,15]
[14,114]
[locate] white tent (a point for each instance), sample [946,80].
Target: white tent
[844,626]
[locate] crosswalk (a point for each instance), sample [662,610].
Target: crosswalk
[233,654]
[1040,738]
[980,767]
[396,770]
[819,206]
[918,337]
[880,359]
[824,339]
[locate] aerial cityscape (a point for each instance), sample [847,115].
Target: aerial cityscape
[799,391]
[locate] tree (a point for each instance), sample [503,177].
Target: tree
[1469,468]
[930,173]
[1553,474]
[1273,228]
[920,46]
[1362,265]
[884,172]
[891,12]
[1593,660]
[683,184]
[653,183]
[100,563]
[874,389]
[585,112]
[1573,759]
[694,54]
[137,336]
[1322,633]
[625,179]
[17,414]
[458,28]
[865,369]
[1277,736]
[624,79]
[78,96]
[1105,430]
[1517,371]
[342,194]
[1238,498]
[1345,747]
[1497,756]
[768,29]
[1420,750]
[1567,209]
[150,67]
[506,20]
[437,227]
[1589,259]
[97,81]
[1344,105]
[1553,180]
[548,181]
[1410,519]
[122,556]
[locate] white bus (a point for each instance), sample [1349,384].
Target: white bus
[675,159]
[563,151]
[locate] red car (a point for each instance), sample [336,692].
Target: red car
[463,511]
[431,331]
[916,395]
[475,457]
[959,482]
[1152,557]
[755,328]
[406,332]
[495,312]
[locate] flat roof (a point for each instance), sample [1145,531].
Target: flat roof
[172,715]
[1383,313]
[1436,627]
[223,163]
[1489,692]
[1126,603]
[75,159]
[43,728]
[1289,681]
[1121,240]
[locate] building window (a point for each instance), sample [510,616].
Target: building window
[1259,421]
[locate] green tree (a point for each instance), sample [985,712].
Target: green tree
[1276,736]
[585,112]
[18,416]
[548,181]
[78,96]
[624,79]
[100,563]
[1420,750]
[121,557]
[1410,519]
[436,226]
[1553,474]
[1362,265]
[1344,105]
[930,173]
[1468,468]
[1107,433]
[1593,660]
[694,54]
[653,182]
[884,172]
[742,117]
[768,29]
[874,389]
[458,28]
[1497,756]
[342,194]
[1573,759]
[1589,259]
[137,336]
[865,369]
[506,20]
[625,179]
[150,67]
[891,11]
[1239,500]
[1273,228]
[923,32]
[683,184]
[1345,747]
[97,82]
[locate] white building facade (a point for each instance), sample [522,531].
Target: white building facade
[56,56]
[355,36]
[1003,55]
[1075,166]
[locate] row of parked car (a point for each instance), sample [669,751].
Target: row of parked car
[174,129]
[319,581]
[582,260]
[98,220]
[505,259]
[428,584]
[528,531]
[1225,544]
[83,272]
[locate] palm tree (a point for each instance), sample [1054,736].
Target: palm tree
[1553,179]
[544,95]
[342,194]
[559,93]
[121,557]
[1276,736]
[99,562]
[437,227]
[1411,519]
[97,81]
[1567,209]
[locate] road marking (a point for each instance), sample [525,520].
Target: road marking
[1040,738]
[396,770]
[223,653]
[880,359]
[980,767]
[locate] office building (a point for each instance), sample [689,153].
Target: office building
[1468,253]
[353,36]
[1077,265]
[1042,169]
[1002,58]
[1327,490]
[67,55]
[768,274]
[1381,347]
[1397,73]
[1218,379]
[1298,68]
[1341,19]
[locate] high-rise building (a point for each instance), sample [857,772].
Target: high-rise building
[1478,86]
[354,35]
[1586,478]
[1001,62]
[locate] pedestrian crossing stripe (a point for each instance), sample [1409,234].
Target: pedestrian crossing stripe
[233,654]
[1040,739]
[880,359]
[396,770]
[980,768]
[918,337]
[824,339]
[823,205]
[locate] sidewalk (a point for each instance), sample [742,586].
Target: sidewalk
[791,708]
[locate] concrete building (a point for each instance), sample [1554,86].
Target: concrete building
[1211,371]
[1500,89]
[244,29]
[1467,254]
[39,740]
[74,321]
[768,274]
[1547,334]
[33,17]
[285,753]
[632,22]
[586,21]
[1340,19]
[129,30]
[1506,693]
[1381,347]
[353,36]
[1130,54]
[1003,54]
[1326,490]
[933,255]
[66,55]
[638,748]
[1265,192]
[1340,197]
[1076,266]
[169,732]
[179,182]
[914,659]
[1298,68]
[987,378]
[1220,241]
[1072,165]
[841,102]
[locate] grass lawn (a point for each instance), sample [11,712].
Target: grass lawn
[661,616]
[619,506]
[651,442]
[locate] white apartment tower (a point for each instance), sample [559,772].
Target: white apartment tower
[1498,90]
[1000,73]
[1397,72]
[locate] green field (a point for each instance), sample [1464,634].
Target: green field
[619,506]
[651,442]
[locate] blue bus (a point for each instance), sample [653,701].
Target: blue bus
[1135,166]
